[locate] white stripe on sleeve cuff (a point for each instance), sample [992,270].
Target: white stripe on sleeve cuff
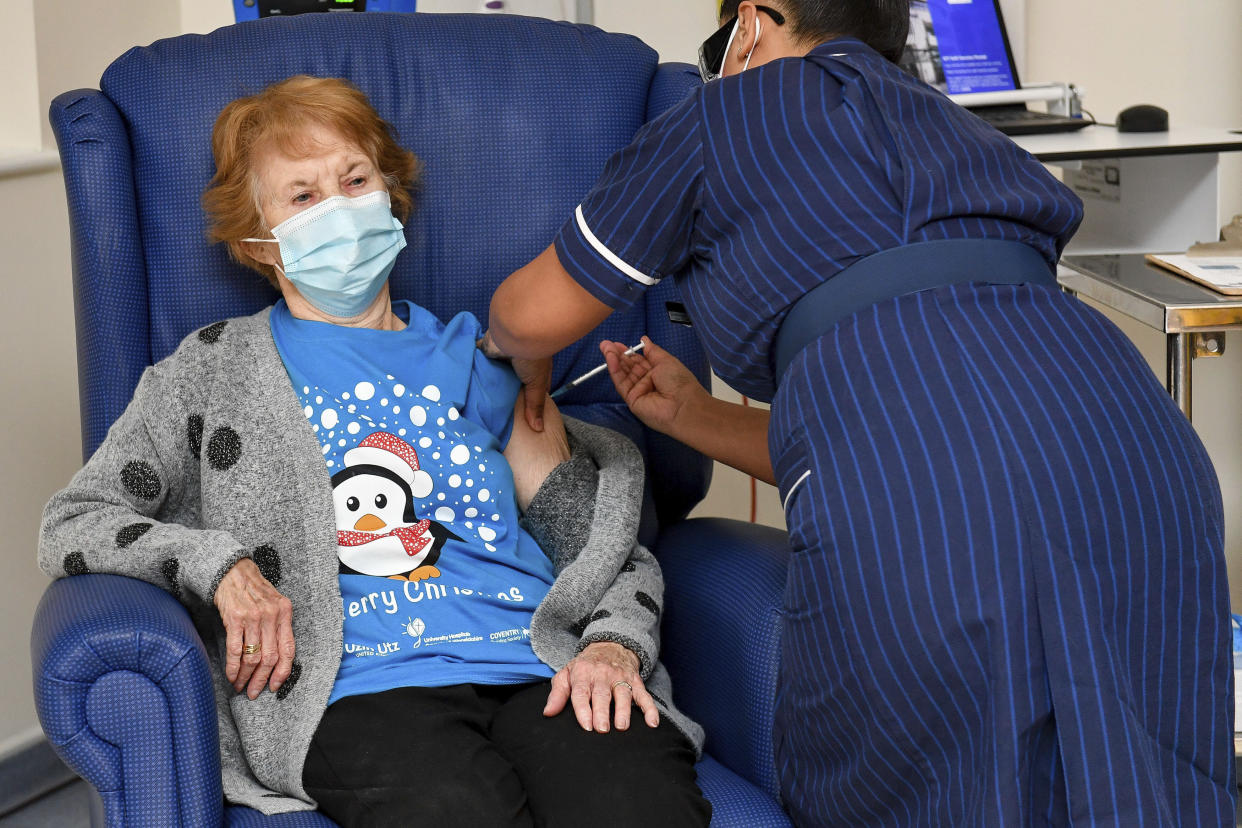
[794,488]
[608,255]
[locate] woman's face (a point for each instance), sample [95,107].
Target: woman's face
[332,167]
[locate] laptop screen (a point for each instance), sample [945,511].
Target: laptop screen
[959,46]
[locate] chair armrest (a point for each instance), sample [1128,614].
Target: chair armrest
[123,691]
[724,582]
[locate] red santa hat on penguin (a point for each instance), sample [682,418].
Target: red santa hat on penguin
[394,454]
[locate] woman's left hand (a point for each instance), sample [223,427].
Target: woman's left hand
[603,675]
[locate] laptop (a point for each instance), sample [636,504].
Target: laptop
[961,47]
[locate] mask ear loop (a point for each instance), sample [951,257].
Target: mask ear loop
[753,46]
[269,241]
[728,45]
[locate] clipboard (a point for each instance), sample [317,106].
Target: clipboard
[1222,274]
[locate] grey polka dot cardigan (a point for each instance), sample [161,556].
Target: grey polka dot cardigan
[214,461]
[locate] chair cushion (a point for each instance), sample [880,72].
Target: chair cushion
[237,816]
[735,802]
[724,583]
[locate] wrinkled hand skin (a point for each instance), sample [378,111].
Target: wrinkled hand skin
[254,612]
[590,683]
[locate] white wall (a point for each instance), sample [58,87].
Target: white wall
[45,49]
[77,43]
[203,16]
[20,94]
[1185,56]
[674,29]
[40,412]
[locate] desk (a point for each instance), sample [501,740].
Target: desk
[1144,191]
[1177,307]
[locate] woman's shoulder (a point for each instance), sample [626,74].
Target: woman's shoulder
[461,324]
[220,339]
[457,336]
[222,348]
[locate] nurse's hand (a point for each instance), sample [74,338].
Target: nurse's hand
[535,374]
[536,377]
[603,676]
[657,387]
[668,398]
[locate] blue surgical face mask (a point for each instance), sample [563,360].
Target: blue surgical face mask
[339,253]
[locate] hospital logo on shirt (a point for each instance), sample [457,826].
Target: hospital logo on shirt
[515,634]
[414,628]
[381,648]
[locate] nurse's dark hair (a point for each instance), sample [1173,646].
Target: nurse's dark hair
[881,24]
[279,117]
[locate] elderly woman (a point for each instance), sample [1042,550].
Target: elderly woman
[323,485]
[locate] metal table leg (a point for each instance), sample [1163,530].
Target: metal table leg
[1178,376]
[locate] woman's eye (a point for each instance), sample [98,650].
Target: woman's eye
[301,198]
[352,504]
[380,501]
[357,182]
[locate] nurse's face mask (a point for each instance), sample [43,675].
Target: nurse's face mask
[715,49]
[339,253]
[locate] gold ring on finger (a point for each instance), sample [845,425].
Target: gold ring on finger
[622,682]
[250,649]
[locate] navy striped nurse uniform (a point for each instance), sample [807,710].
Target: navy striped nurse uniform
[1006,603]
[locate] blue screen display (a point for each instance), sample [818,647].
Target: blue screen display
[958,46]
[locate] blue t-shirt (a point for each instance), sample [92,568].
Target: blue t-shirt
[438,581]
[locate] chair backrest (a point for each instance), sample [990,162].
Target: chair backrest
[513,119]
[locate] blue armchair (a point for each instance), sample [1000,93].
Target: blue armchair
[513,119]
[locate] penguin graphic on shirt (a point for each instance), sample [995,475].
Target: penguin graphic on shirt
[378,532]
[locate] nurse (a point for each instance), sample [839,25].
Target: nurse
[1006,600]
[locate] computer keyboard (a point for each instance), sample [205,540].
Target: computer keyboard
[1018,120]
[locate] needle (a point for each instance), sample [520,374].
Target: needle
[593,372]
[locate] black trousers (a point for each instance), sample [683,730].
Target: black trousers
[482,756]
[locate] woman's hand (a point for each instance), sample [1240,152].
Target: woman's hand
[255,615]
[657,387]
[534,454]
[602,675]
